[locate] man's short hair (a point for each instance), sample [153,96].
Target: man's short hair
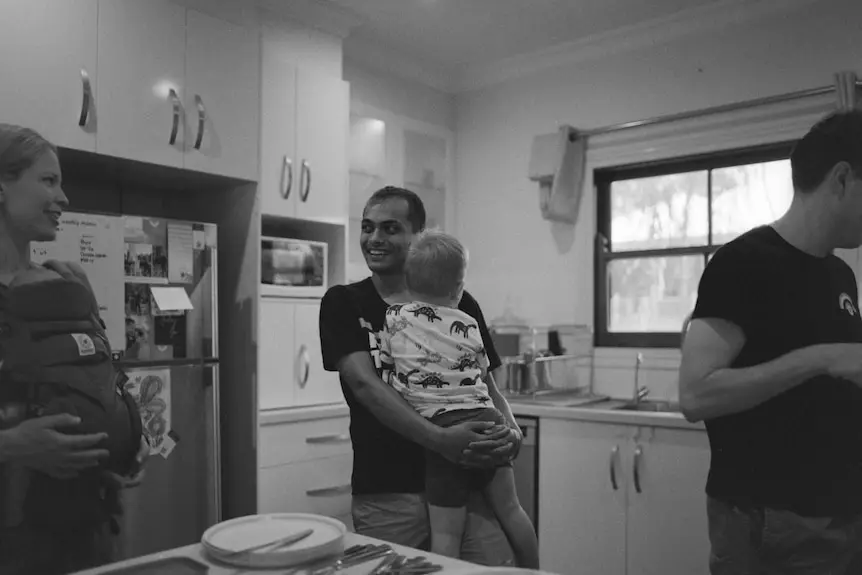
[415,207]
[435,266]
[836,138]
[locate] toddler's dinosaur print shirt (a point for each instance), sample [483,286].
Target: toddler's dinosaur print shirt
[434,357]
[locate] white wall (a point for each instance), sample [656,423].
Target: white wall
[399,97]
[543,272]
[514,251]
[309,48]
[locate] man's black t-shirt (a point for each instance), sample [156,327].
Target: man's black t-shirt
[351,317]
[802,450]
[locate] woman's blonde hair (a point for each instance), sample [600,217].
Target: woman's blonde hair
[19,149]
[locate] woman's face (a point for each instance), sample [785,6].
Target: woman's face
[33,204]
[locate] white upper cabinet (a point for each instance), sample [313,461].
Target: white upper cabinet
[303,140]
[278,181]
[140,95]
[177,88]
[48,58]
[222,92]
[322,128]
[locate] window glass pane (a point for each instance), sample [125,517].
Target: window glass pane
[659,212]
[652,294]
[744,197]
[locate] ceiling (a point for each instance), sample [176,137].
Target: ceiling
[468,32]
[453,35]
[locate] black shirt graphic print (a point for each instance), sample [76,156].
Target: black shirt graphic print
[801,450]
[351,319]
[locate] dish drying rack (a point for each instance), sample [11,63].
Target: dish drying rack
[537,375]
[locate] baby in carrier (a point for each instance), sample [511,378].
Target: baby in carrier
[55,358]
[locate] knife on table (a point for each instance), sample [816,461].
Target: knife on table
[277,543]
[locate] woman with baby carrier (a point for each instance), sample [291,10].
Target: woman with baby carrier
[70,439]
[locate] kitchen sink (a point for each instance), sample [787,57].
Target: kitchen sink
[558,398]
[651,405]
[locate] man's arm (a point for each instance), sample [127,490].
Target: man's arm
[345,347]
[709,388]
[511,446]
[387,405]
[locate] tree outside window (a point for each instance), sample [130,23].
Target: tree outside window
[658,225]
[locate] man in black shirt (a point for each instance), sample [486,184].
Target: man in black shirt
[772,363]
[388,435]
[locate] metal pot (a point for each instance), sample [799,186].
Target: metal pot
[515,377]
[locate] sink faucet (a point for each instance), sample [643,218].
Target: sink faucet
[640,391]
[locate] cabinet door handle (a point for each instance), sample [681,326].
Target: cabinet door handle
[302,357]
[286,176]
[87,90]
[329,491]
[176,122]
[333,438]
[306,172]
[636,468]
[613,466]
[202,118]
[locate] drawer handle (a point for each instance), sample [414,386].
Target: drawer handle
[202,119]
[175,99]
[636,465]
[88,96]
[329,491]
[306,172]
[614,454]
[334,438]
[286,168]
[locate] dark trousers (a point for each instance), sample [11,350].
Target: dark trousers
[764,541]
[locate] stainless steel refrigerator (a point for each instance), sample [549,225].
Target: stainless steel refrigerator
[155,280]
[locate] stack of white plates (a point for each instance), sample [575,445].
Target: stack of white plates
[224,541]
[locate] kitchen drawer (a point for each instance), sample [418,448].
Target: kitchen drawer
[321,486]
[284,443]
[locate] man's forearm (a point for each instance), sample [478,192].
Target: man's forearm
[727,391]
[394,412]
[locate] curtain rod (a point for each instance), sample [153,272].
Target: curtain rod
[713,110]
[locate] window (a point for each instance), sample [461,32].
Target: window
[659,224]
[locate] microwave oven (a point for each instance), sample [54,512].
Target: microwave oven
[293,268]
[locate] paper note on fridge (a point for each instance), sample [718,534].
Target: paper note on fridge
[171,298]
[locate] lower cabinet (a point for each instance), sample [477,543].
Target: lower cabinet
[305,467]
[290,358]
[622,500]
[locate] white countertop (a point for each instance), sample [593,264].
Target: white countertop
[196,552]
[604,412]
[302,413]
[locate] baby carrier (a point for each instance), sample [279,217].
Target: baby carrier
[56,359]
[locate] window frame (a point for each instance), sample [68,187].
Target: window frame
[603,179]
